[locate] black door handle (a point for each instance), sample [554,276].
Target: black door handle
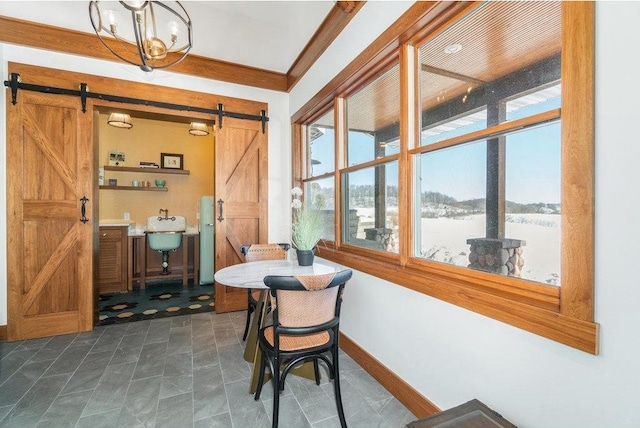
[83,209]
[220,217]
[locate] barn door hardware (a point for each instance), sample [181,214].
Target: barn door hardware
[15,83]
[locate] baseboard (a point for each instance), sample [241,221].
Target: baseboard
[405,393]
[3,332]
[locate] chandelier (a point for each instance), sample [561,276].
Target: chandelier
[159,36]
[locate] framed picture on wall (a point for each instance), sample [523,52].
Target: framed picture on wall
[171,161]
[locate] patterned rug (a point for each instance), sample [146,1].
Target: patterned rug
[157,300]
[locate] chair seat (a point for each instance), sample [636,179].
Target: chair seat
[295,343]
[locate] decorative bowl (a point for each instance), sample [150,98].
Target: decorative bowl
[161,183]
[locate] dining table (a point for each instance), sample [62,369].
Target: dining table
[251,275]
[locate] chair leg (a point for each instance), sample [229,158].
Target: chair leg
[316,371]
[336,389]
[248,321]
[276,392]
[263,364]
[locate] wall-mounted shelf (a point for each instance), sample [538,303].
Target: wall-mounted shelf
[147,170]
[145,189]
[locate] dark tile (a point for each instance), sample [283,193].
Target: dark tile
[141,403]
[19,383]
[8,347]
[244,410]
[205,352]
[121,356]
[158,331]
[232,363]
[179,340]
[13,361]
[69,360]
[176,411]
[112,389]
[33,405]
[209,398]
[151,361]
[218,421]
[101,420]
[88,374]
[178,376]
[65,410]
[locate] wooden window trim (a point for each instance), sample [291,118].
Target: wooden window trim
[564,315]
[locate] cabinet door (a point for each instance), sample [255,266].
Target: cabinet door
[112,270]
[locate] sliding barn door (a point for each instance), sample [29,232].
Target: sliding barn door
[240,200]
[49,248]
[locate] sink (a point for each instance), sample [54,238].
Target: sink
[165,234]
[158,223]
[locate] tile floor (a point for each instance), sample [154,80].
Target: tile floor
[184,371]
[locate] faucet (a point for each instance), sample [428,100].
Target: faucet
[166,215]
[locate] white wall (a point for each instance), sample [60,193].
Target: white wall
[278,129]
[452,355]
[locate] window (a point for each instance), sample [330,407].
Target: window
[370,192]
[464,162]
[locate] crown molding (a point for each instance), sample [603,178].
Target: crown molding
[41,36]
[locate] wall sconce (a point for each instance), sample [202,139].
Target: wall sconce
[120,120]
[198,128]
[151,36]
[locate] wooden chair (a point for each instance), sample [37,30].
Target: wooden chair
[254,253]
[306,320]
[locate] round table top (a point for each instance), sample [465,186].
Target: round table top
[251,274]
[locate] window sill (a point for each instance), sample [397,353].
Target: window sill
[520,306]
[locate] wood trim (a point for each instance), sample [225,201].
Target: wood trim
[3,332]
[578,174]
[405,393]
[422,16]
[544,322]
[338,18]
[20,32]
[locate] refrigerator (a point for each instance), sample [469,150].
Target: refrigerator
[206,239]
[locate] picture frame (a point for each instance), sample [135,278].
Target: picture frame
[171,160]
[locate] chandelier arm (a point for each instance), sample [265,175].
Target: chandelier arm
[151,52]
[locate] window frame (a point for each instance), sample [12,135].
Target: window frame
[564,314]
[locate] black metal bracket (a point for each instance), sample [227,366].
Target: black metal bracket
[220,114]
[15,80]
[15,83]
[83,96]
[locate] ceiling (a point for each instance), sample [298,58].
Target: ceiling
[267,35]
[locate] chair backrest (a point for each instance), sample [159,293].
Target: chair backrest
[257,252]
[306,301]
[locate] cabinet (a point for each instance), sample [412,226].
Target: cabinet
[112,259]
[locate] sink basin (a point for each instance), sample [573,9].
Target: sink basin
[165,234]
[164,241]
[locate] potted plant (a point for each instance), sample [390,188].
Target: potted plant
[307,228]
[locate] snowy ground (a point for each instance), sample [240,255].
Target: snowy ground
[445,240]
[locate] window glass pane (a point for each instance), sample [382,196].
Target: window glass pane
[532,209]
[471,69]
[457,228]
[371,196]
[534,103]
[321,150]
[321,194]
[452,185]
[373,117]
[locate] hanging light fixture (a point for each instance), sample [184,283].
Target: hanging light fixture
[120,120]
[198,128]
[159,36]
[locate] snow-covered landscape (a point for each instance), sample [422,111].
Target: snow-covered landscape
[444,239]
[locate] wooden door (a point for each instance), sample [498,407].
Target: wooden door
[241,190]
[49,250]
